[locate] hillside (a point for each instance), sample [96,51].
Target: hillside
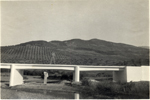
[76,51]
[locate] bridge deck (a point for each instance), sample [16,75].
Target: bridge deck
[61,66]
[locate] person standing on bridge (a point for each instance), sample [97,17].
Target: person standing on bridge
[53,58]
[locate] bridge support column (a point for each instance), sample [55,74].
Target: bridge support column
[73,75]
[16,76]
[76,74]
[120,76]
[76,96]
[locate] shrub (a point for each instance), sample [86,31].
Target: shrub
[76,83]
[116,87]
[25,77]
[138,89]
[104,87]
[86,82]
[64,77]
[126,87]
[88,91]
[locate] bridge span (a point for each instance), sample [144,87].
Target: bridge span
[120,73]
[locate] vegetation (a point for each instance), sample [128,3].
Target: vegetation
[76,51]
[90,88]
[136,90]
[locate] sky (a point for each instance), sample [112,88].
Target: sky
[120,21]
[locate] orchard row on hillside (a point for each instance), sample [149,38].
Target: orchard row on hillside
[43,55]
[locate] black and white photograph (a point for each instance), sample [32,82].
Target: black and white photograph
[74,49]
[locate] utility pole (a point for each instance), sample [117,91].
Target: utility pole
[53,58]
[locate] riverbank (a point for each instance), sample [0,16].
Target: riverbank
[33,88]
[30,94]
[38,91]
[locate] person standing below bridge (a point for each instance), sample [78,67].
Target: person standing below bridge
[53,58]
[45,77]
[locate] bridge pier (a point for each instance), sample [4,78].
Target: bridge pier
[16,76]
[76,74]
[76,96]
[119,76]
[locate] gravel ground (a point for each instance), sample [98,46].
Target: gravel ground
[35,89]
[15,94]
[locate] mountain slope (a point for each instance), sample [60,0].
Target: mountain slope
[76,51]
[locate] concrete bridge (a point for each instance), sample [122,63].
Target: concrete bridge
[120,73]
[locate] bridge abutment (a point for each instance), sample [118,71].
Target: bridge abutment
[132,73]
[16,76]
